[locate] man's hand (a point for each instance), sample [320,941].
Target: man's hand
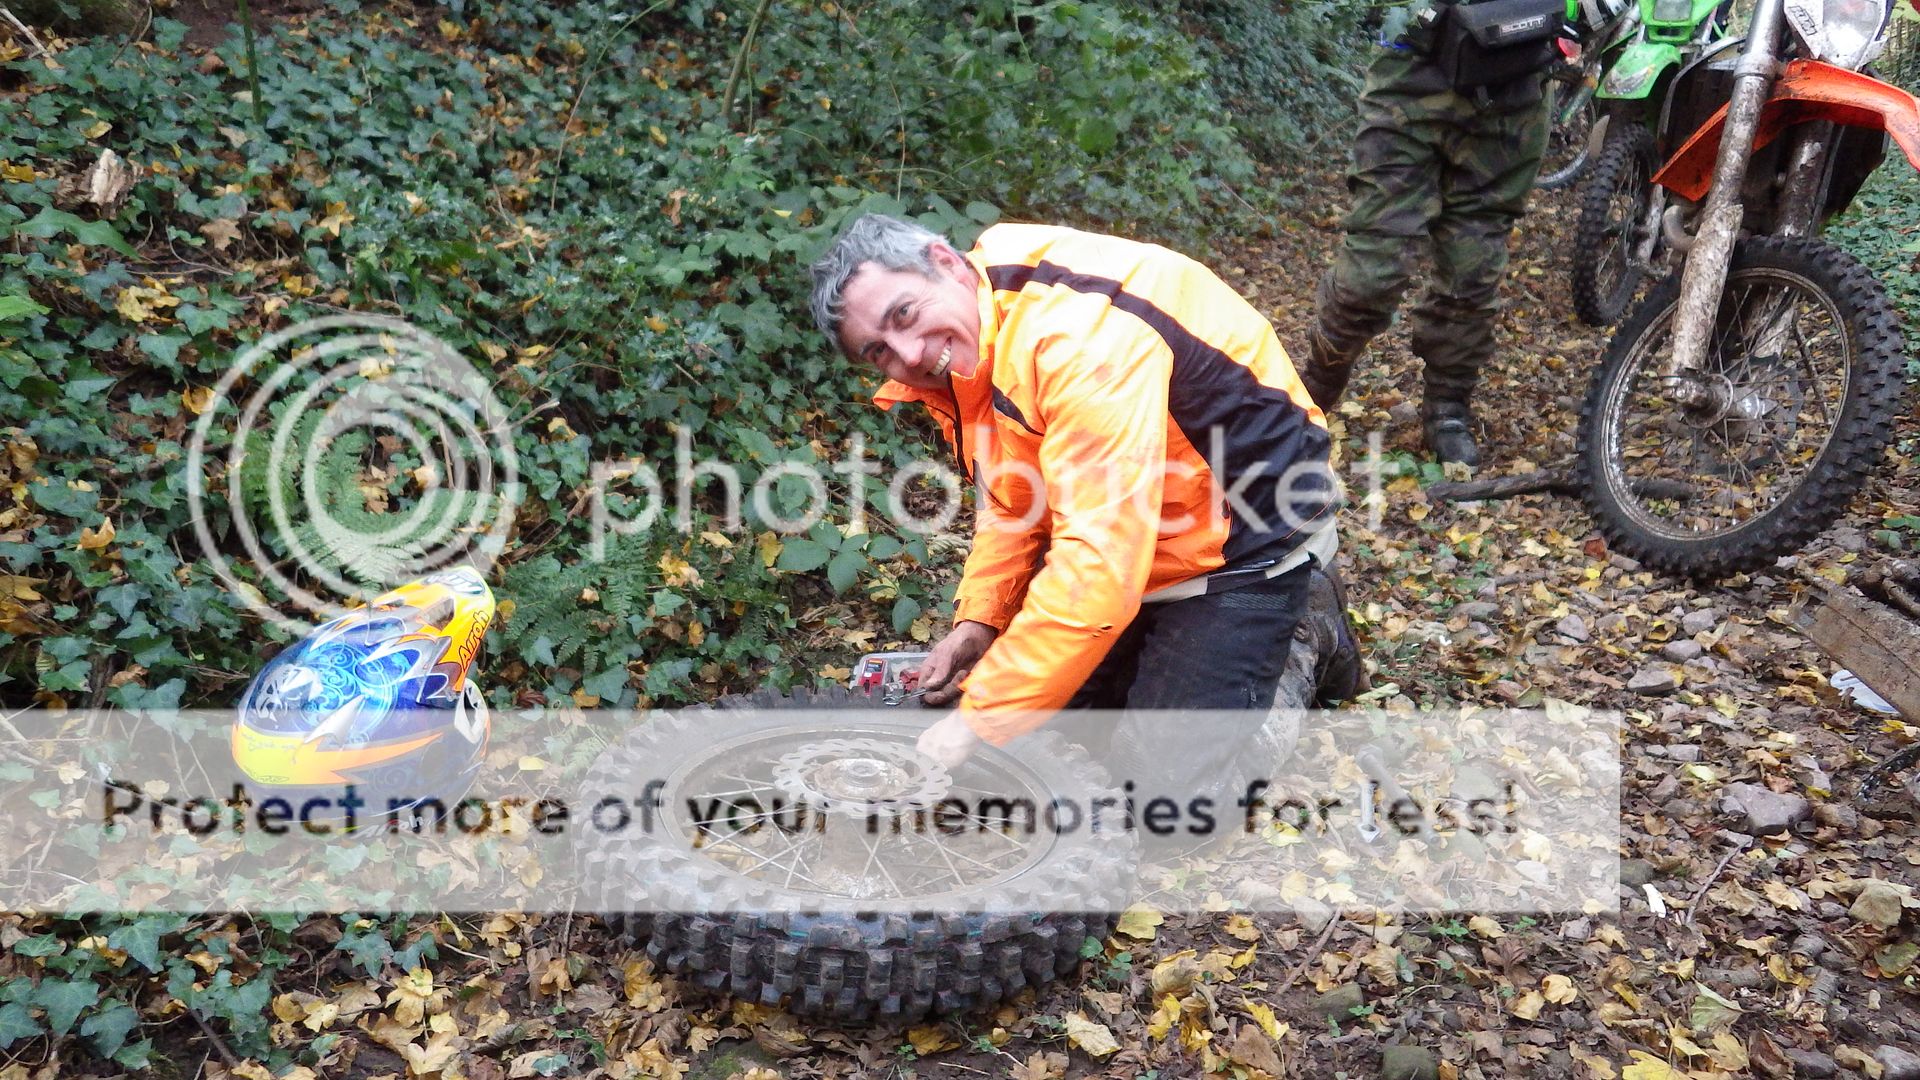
[952,659]
[949,741]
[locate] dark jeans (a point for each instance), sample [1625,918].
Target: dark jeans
[1204,656]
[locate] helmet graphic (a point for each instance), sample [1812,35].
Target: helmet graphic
[374,711]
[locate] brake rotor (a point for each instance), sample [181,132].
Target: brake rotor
[861,778]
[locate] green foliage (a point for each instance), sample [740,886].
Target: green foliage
[1290,72]
[1882,229]
[554,190]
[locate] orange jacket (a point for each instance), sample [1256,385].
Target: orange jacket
[1131,390]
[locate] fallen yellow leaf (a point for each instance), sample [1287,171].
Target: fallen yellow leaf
[1140,922]
[1264,1017]
[1486,927]
[1558,989]
[1528,1005]
[97,538]
[930,1039]
[1164,1017]
[1090,1036]
[1647,1067]
[198,399]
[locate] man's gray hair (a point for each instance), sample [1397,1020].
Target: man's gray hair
[890,243]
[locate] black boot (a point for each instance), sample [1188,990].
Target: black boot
[1449,430]
[1326,371]
[1339,675]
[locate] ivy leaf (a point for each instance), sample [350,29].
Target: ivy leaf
[39,945]
[164,348]
[95,233]
[1097,135]
[800,556]
[64,1001]
[108,1028]
[16,1023]
[63,499]
[16,307]
[140,939]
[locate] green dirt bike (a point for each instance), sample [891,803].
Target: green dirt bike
[1579,124]
[1618,239]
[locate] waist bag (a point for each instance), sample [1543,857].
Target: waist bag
[1494,41]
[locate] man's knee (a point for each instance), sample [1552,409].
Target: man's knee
[1358,294]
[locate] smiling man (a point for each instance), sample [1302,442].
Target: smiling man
[1154,492]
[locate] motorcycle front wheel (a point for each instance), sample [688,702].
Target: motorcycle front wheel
[1802,384]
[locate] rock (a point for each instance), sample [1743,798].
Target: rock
[1830,910]
[1685,753]
[1681,651]
[1613,623]
[1897,1064]
[1408,1063]
[1853,1057]
[1811,1063]
[1763,810]
[1653,679]
[1573,626]
[1478,609]
[1622,562]
[1314,915]
[1339,1003]
[1405,412]
[1809,945]
[1808,770]
[1879,904]
[1837,816]
[1577,930]
[1849,539]
[1698,621]
[1635,872]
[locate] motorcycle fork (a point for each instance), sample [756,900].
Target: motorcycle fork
[1705,274]
[1809,166]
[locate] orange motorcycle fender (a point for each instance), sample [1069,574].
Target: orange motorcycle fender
[1807,90]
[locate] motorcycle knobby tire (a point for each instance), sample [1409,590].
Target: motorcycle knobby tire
[1870,406]
[1625,166]
[761,945]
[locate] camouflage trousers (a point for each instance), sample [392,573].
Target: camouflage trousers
[1429,166]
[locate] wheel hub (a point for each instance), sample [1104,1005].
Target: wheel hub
[861,778]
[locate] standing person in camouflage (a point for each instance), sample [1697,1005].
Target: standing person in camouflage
[1430,163]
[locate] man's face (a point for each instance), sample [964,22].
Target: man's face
[916,330]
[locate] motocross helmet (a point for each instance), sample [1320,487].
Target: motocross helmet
[375,712]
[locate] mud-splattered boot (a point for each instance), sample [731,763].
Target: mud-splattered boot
[1327,369]
[1338,672]
[1449,430]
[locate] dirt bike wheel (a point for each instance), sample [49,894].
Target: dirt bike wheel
[1569,152]
[1806,362]
[710,928]
[1613,210]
